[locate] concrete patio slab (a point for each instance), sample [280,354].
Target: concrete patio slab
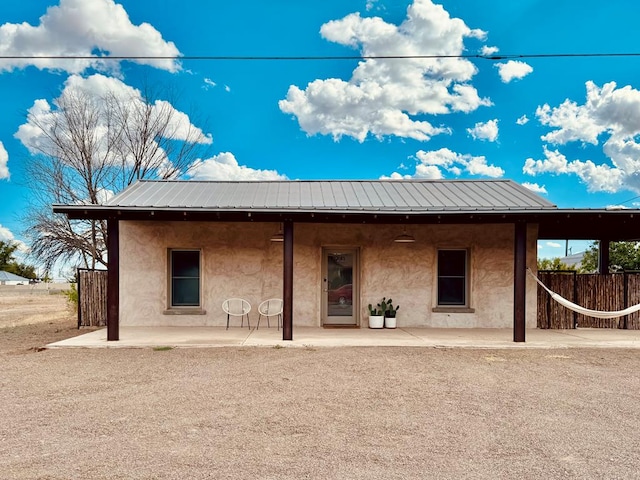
[184,337]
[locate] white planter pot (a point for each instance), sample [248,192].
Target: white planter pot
[389,322]
[376,321]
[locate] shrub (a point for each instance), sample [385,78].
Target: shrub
[72,296]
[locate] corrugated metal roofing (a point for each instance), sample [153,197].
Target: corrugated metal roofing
[332,195]
[11,277]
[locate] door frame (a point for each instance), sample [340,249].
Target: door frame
[355,299]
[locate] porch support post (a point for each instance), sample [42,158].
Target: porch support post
[113,280]
[603,256]
[520,282]
[287,284]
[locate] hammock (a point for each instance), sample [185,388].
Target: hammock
[585,311]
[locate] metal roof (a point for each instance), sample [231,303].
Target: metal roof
[362,196]
[365,201]
[11,277]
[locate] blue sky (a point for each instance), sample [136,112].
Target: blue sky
[566,127]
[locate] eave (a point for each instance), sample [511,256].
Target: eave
[553,223]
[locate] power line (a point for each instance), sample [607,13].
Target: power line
[316,58]
[631,199]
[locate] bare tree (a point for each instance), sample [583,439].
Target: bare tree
[90,147]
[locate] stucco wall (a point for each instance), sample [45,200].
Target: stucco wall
[239,260]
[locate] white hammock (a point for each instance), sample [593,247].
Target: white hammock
[585,311]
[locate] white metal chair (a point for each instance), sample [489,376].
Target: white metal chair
[270,308]
[237,307]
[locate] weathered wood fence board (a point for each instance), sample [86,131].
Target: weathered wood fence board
[92,298]
[550,313]
[601,292]
[633,293]
[604,292]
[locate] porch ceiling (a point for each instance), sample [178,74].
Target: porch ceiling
[614,225]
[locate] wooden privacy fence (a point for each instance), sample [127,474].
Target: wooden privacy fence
[605,292]
[92,298]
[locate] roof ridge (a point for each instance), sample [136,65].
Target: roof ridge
[390,180]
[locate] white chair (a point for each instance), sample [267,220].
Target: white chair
[237,307]
[270,308]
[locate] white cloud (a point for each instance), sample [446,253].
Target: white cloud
[609,114]
[611,110]
[104,195]
[534,187]
[396,176]
[208,83]
[616,207]
[513,69]
[224,166]
[553,245]
[488,51]
[485,131]
[7,236]
[479,166]
[431,172]
[82,28]
[4,161]
[227,88]
[573,123]
[598,178]
[382,97]
[433,164]
[523,120]
[98,87]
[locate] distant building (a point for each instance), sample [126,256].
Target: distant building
[573,260]
[7,278]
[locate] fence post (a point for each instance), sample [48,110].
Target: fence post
[575,298]
[548,302]
[625,319]
[79,298]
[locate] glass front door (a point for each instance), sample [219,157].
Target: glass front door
[340,287]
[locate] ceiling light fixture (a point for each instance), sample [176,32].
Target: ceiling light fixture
[404,237]
[278,237]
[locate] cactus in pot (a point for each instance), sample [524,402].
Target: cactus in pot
[390,312]
[376,317]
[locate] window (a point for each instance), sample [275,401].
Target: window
[452,278]
[185,278]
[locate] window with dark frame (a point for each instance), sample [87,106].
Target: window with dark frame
[452,278]
[185,278]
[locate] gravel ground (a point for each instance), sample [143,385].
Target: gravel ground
[353,413]
[341,413]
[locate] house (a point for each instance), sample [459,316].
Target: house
[8,278]
[574,260]
[450,253]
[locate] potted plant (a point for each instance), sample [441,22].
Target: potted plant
[389,312]
[376,317]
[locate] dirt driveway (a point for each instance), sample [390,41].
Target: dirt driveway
[345,413]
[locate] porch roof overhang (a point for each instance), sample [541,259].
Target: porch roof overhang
[553,223]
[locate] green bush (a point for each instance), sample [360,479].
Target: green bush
[72,295]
